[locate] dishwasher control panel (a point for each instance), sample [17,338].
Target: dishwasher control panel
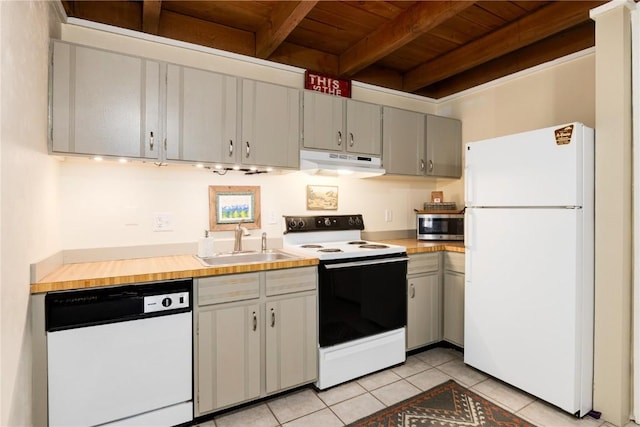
[154,303]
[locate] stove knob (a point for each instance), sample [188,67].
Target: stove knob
[327,222]
[301,224]
[358,221]
[292,223]
[351,221]
[166,302]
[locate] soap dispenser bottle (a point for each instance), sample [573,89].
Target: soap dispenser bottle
[205,246]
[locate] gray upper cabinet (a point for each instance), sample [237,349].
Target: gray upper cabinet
[443,149]
[419,144]
[402,141]
[104,103]
[270,125]
[201,116]
[339,124]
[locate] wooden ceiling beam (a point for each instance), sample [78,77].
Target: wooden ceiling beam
[285,18]
[304,57]
[181,27]
[409,25]
[543,23]
[151,16]
[567,42]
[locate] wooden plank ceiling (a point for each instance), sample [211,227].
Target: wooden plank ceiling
[430,48]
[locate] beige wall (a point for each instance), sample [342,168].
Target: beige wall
[28,189]
[530,100]
[613,266]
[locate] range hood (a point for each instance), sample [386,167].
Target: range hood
[340,164]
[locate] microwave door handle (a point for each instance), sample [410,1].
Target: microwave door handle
[365,262]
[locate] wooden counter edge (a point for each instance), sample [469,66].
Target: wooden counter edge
[42,287]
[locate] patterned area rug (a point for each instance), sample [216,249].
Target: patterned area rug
[448,404]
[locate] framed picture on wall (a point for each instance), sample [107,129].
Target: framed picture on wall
[230,205]
[322,197]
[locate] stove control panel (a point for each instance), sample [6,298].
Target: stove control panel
[295,224]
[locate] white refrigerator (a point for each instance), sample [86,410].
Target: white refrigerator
[529,282]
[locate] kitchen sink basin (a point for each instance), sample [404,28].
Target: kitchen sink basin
[245,257]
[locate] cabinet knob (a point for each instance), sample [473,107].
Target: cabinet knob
[273,318]
[230,148]
[151,140]
[430,165]
[339,138]
[255,321]
[421,164]
[350,139]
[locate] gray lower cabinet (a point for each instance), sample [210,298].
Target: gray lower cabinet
[424,300]
[453,285]
[255,334]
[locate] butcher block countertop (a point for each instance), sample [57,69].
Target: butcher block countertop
[420,246]
[120,272]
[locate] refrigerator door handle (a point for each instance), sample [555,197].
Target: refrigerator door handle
[468,244]
[467,186]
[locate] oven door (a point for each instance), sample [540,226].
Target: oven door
[361,297]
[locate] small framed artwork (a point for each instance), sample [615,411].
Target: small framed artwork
[230,205]
[322,197]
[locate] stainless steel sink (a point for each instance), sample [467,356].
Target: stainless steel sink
[245,257]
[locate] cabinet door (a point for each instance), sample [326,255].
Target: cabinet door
[402,141]
[291,342]
[104,103]
[323,121]
[270,125]
[228,358]
[454,307]
[443,146]
[364,128]
[201,115]
[423,310]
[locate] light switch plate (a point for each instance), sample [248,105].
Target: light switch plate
[163,221]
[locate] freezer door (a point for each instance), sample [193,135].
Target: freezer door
[529,302]
[530,169]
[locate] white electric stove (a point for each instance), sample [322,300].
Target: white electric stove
[361,295]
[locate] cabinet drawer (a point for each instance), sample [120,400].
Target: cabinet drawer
[423,263]
[234,287]
[454,261]
[291,280]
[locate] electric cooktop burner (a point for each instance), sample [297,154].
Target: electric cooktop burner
[357,242]
[372,246]
[311,246]
[330,250]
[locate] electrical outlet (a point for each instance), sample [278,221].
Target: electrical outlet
[163,221]
[388,215]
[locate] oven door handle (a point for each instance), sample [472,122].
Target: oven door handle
[366,262]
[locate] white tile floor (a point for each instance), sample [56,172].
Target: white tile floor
[349,402]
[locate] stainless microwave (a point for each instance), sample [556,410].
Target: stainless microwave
[440,226]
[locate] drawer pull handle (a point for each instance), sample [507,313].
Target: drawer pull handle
[255,321]
[339,138]
[273,318]
[412,291]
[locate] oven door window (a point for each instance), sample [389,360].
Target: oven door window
[358,301]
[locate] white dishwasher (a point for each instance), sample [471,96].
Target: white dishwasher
[120,355]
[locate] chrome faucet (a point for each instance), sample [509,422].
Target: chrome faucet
[239,232]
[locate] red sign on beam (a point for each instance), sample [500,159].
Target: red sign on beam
[327,84]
